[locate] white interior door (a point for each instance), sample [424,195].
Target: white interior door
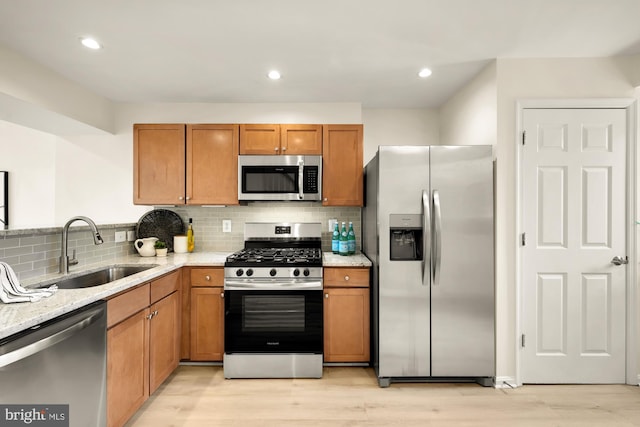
[574,201]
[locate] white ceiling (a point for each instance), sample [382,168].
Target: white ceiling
[366,51]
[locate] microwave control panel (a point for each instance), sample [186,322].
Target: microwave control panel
[310,184]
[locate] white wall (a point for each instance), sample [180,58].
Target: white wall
[470,116]
[398,127]
[92,175]
[527,79]
[35,96]
[29,157]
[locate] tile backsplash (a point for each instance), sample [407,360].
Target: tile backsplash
[36,252]
[207,221]
[33,253]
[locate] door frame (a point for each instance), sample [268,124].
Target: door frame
[632,371]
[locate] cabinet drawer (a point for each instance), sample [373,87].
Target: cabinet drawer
[127,304]
[346,277]
[164,286]
[207,277]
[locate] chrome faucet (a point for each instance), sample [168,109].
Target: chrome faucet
[65,262]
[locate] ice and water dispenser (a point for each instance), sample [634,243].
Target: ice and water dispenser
[405,237]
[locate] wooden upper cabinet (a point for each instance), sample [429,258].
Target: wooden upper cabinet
[281,139]
[212,164]
[342,177]
[260,139]
[158,164]
[301,139]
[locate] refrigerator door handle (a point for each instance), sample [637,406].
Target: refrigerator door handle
[437,237]
[426,241]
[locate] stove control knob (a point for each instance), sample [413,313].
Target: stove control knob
[296,272]
[272,272]
[239,272]
[306,272]
[249,272]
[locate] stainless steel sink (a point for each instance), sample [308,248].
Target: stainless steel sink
[100,277]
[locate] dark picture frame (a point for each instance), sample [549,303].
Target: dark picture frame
[4,199]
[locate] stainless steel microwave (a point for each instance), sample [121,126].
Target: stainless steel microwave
[280,178]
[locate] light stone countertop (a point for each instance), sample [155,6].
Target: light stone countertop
[330,259]
[17,317]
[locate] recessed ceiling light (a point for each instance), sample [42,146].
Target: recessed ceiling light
[90,43]
[273,75]
[425,72]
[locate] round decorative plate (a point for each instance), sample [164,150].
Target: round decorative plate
[160,223]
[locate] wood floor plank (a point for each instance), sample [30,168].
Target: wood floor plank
[200,396]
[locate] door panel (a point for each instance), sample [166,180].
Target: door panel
[404,328]
[574,195]
[462,298]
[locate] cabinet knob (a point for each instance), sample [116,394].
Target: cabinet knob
[221,294]
[346,278]
[155,312]
[276,148]
[207,277]
[326,296]
[284,148]
[188,198]
[325,199]
[180,198]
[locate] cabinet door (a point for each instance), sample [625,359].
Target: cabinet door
[207,324]
[127,368]
[164,339]
[342,165]
[301,139]
[346,325]
[259,139]
[212,164]
[158,164]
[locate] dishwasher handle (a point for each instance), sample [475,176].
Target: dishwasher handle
[56,333]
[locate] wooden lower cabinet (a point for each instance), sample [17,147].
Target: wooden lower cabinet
[346,315]
[143,344]
[207,320]
[127,367]
[207,314]
[164,339]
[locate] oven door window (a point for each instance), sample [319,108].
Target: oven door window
[273,321]
[269,179]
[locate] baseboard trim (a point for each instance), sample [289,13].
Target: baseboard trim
[506,382]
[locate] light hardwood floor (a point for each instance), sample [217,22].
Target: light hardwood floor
[200,396]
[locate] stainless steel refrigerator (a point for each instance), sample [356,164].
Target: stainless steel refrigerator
[428,230]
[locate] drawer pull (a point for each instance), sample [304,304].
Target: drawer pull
[207,278]
[222,295]
[346,278]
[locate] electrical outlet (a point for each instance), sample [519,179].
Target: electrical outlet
[226,226]
[121,236]
[131,236]
[332,224]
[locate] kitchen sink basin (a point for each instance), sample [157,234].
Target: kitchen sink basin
[100,277]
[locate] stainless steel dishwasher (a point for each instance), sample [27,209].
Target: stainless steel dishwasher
[62,361]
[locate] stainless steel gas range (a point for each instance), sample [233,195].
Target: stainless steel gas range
[273,303]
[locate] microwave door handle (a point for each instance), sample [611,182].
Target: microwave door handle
[300,179]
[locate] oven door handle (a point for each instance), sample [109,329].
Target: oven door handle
[270,285]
